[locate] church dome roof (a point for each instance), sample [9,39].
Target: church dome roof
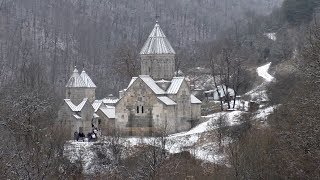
[157,43]
[76,80]
[87,80]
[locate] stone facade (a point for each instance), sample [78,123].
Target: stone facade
[140,112]
[72,121]
[79,93]
[158,66]
[154,102]
[80,112]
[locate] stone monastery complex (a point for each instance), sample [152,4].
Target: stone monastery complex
[155,102]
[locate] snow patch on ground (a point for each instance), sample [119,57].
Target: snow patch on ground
[259,93]
[262,114]
[197,141]
[209,153]
[79,151]
[203,149]
[263,72]
[231,117]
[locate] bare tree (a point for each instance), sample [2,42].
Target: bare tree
[29,113]
[126,61]
[227,72]
[153,155]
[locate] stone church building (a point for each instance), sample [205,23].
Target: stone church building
[154,102]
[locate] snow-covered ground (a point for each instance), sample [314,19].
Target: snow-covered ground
[259,93]
[262,114]
[194,141]
[197,141]
[79,151]
[263,72]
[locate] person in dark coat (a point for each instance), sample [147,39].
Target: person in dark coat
[89,137]
[76,136]
[81,136]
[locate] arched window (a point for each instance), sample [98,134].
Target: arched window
[137,109]
[142,110]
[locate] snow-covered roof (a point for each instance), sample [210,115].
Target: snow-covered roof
[152,84]
[80,80]
[109,111]
[167,101]
[222,90]
[157,43]
[132,81]
[77,116]
[96,105]
[87,80]
[175,85]
[195,100]
[95,115]
[76,80]
[110,100]
[163,81]
[76,108]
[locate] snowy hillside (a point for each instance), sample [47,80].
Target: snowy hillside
[198,141]
[259,93]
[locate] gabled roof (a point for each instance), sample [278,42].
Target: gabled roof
[96,105]
[175,85]
[152,84]
[132,81]
[109,111]
[195,100]
[76,80]
[87,80]
[76,108]
[167,101]
[157,43]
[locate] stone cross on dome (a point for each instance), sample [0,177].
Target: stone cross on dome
[157,18]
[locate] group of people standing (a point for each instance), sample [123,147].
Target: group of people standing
[91,136]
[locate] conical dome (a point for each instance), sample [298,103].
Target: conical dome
[87,80]
[76,80]
[157,43]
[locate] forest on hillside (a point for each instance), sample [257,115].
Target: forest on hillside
[104,35]
[42,40]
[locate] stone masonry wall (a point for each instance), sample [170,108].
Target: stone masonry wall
[183,107]
[158,66]
[133,122]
